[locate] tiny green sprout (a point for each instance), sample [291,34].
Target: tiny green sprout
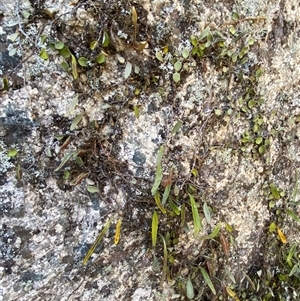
[93,45]
[43,54]
[256,127]
[204,33]
[66,175]
[65,52]
[258,72]
[194,172]
[234,58]
[128,69]
[250,41]
[105,40]
[137,91]
[259,121]
[262,149]
[59,45]
[59,137]
[176,77]
[177,126]
[177,66]
[246,137]
[251,103]
[275,192]
[12,153]
[65,66]
[79,161]
[185,53]
[243,52]
[221,44]
[194,40]
[244,109]
[235,16]
[229,112]
[159,56]
[229,53]
[101,58]
[83,62]
[232,30]
[272,227]
[92,189]
[209,40]
[258,140]
[190,289]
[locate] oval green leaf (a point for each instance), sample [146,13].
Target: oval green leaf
[258,140]
[159,56]
[232,29]
[59,45]
[101,58]
[235,16]
[204,33]
[92,189]
[93,45]
[128,69]
[190,289]
[176,77]
[43,54]
[185,53]
[12,153]
[178,66]
[262,149]
[82,61]
[65,52]
[65,66]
